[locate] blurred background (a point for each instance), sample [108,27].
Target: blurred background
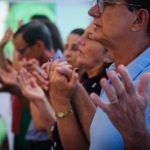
[66,14]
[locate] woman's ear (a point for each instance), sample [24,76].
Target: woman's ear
[108,58]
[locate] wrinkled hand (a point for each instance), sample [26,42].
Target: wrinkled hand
[30,65]
[41,76]
[65,70]
[30,89]
[62,86]
[127,105]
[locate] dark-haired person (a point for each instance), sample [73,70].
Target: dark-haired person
[123,27]
[31,40]
[40,17]
[55,34]
[35,36]
[71,45]
[70,55]
[36,39]
[92,57]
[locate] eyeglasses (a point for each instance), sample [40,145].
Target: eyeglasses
[103,4]
[22,50]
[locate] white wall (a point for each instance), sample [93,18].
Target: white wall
[3,14]
[5,111]
[72,14]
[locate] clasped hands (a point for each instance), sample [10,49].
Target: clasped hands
[57,78]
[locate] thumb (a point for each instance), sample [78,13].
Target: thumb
[98,102]
[32,82]
[74,78]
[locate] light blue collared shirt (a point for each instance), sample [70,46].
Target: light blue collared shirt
[103,134]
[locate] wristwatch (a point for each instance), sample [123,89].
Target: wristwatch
[63,114]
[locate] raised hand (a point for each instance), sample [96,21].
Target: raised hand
[127,105]
[3,61]
[41,76]
[30,89]
[8,34]
[9,77]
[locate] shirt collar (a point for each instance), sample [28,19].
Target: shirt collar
[137,65]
